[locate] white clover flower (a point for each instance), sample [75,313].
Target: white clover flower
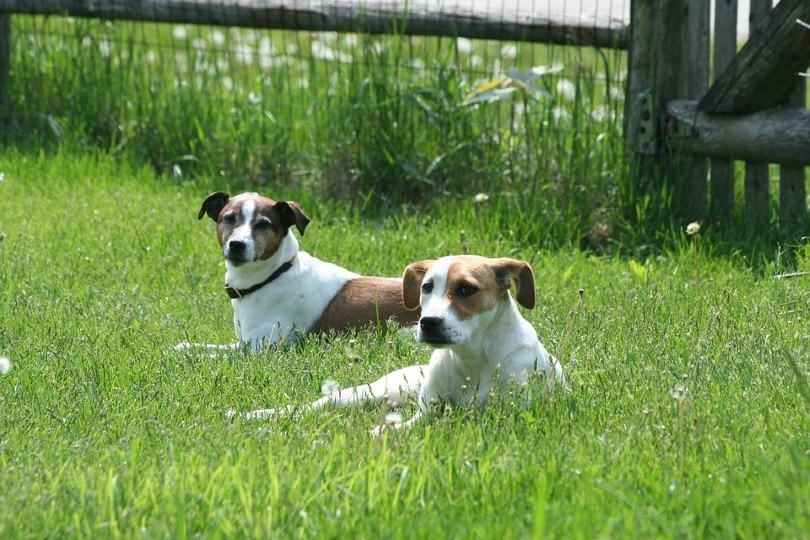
[5,365]
[180,32]
[350,40]
[243,53]
[693,228]
[218,38]
[105,47]
[567,89]
[509,51]
[464,45]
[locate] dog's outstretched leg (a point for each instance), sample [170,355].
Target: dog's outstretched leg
[395,387]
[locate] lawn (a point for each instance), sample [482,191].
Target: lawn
[687,414]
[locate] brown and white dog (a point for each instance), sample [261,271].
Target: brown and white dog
[279,292]
[481,342]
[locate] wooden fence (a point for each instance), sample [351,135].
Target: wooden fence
[755,110]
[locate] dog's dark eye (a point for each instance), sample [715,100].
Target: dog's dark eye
[427,287]
[229,218]
[263,223]
[465,290]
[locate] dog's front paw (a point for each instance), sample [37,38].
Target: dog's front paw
[183,346]
[259,414]
[204,350]
[393,420]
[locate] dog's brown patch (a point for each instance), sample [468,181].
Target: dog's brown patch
[472,288]
[362,301]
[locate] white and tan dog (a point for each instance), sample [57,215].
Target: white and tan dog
[279,292]
[481,341]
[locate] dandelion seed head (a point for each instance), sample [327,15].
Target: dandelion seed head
[329,386]
[481,198]
[693,228]
[393,418]
[679,392]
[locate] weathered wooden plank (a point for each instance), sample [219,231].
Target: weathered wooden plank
[767,67]
[641,125]
[725,35]
[792,186]
[757,174]
[5,56]
[721,183]
[683,71]
[757,192]
[770,136]
[694,75]
[411,17]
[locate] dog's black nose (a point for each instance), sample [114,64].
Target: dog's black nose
[237,246]
[428,324]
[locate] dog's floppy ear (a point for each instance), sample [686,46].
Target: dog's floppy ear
[291,214]
[509,271]
[213,205]
[412,283]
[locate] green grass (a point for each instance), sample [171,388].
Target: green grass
[105,431]
[377,121]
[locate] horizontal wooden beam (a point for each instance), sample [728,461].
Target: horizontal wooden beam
[411,17]
[769,136]
[767,68]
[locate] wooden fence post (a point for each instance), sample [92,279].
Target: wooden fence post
[5,57]
[722,170]
[756,174]
[694,73]
[668,60]
[792,190]
[640,102]
[679,45]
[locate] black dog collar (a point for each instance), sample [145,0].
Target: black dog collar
[240,293]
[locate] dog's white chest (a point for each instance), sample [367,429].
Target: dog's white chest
[290,305]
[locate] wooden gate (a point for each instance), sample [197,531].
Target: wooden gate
[754,111]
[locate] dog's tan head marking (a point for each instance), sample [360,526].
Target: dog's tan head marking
[453,292]
[470,274]
[249,226]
